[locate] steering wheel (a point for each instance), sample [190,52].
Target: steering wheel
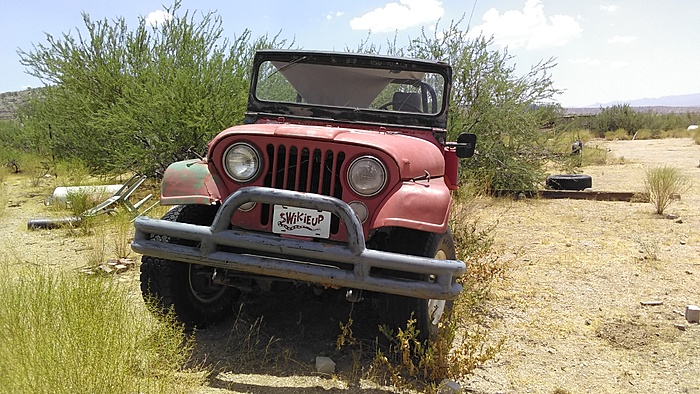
[410,107]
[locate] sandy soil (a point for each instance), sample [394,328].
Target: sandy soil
[570,308]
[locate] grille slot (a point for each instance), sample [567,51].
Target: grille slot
[303,169]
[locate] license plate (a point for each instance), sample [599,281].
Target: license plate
[301,221]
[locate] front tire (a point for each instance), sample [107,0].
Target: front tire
[426,313]
[187,289]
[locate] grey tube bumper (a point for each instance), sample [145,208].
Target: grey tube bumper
[301,256]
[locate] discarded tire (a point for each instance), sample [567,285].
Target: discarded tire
[569,182]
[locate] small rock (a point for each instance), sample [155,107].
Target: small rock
[671,216]
[325,365]
[680,326]
[692,313]
[568,244]
[120,268]
[448,386]
[683,242]
[652,302]
[679,221]
[689,272]
[587,322]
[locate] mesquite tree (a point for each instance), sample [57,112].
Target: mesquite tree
[123,99]
[501,107]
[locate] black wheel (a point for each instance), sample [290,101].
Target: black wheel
[569,182]
[427,313]
[186,288]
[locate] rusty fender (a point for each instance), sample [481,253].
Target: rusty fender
[191,182]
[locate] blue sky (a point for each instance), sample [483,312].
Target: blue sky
[605,51]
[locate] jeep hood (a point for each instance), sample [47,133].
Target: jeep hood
[414,156]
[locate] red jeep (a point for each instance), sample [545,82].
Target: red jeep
[340,177]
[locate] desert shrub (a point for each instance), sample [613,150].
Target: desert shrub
[561,144]
[634,120]
[595,156]
[10,137]
[663,184]
[677,133]
[71,172]
[646,134]
[615,118]
[619,134]
[138,99]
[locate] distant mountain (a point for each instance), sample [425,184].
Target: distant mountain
[683,100]
[667,104]
[11,101]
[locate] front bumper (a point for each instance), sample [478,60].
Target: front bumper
[302,260]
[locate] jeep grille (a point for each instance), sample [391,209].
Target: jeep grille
[303,169]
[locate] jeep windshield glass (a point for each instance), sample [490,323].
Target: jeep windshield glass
[382,89]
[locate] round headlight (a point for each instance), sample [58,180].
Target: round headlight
[367,176]
[242,162]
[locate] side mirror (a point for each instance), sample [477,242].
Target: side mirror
[465,146]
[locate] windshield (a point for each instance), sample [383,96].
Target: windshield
[382,88]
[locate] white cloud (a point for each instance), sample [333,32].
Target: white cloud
[618,64]
[608,8]
[621,39]
[530,27]
[157,17]
[399,16]
[586,61]
[332,15]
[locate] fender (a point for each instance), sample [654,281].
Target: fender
[423,205]
[192,182]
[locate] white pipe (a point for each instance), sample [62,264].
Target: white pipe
[60,194]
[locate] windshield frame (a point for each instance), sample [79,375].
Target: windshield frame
[258,106]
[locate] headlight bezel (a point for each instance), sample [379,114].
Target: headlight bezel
[254,154]
[375,190]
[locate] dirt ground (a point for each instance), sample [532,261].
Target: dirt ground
[569,309]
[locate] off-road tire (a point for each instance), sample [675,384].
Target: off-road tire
[182,287]
[399,309]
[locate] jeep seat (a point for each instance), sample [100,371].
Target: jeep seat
[408,102]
